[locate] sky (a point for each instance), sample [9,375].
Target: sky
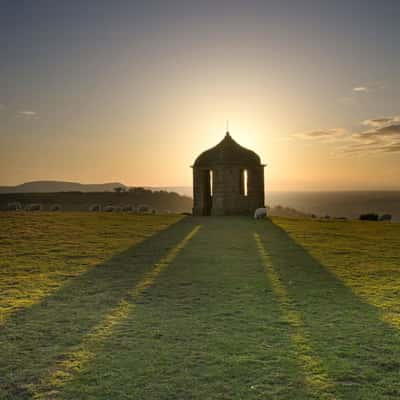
[100,91]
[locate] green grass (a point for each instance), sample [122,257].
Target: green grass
[158,307]
[40,251]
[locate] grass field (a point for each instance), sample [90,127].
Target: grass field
[116,306]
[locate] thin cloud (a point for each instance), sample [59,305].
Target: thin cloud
[381,122]
[383,136]
[391,130]
[361,89]
[392,148]
[324,134]
[372,148]
[368,87]
[357,92]
[386,132]
[27,113]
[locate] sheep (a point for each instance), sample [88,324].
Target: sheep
[95,208]
[33,207]
[14,206]
[260,213]
[385,217]
[109,209]
[144,209]
[55,207]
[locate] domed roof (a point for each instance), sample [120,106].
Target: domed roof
[227,152]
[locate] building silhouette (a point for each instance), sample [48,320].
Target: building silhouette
[227,180]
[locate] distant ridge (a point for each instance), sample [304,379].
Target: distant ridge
[182,190]
[60,186]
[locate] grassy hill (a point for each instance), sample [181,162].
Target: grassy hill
[80,201]
[162,307]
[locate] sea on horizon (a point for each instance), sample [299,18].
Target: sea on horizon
[349,204]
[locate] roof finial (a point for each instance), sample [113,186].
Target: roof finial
[227,127]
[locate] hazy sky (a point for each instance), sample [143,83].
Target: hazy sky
[97,91]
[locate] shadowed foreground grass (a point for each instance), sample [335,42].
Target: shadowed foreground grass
[209,308]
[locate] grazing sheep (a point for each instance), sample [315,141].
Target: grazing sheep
[109,209]
[33,207]
[385,217]
[95,208]
[144,208]
[14,206]
[260,213]
[55,207]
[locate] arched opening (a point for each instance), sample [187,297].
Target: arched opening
[244,182]
[207,185]
[211,182]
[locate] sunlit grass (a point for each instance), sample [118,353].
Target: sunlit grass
[364,255]
[359,349]
[39,252]
[316,377]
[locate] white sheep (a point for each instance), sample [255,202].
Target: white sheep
[144,208]
[260,213]
[95,207]
[33,207]
[14,206]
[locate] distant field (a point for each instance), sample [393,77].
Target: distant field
[162,201]
[122,306]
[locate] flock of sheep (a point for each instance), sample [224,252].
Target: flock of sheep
[142,208]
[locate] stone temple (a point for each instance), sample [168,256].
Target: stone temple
[227,180]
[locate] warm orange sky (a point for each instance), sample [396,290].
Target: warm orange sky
[133,92]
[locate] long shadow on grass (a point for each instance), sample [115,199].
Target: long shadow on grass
[360,352]
[36,337]
[209,329]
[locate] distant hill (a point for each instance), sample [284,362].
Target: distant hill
[182,190]
[59,186]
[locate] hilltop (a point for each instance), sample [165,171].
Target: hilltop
[64,186]
[60,186]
